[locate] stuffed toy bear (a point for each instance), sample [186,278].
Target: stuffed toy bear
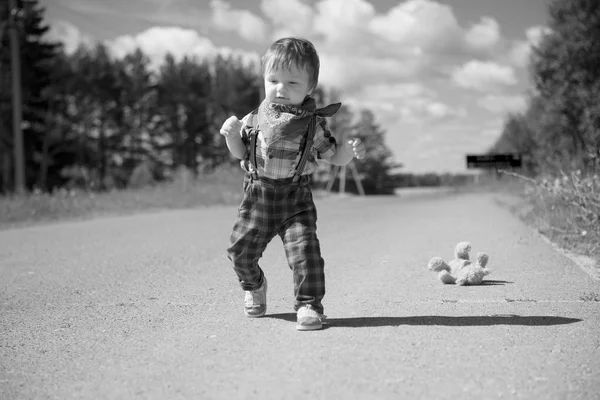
[461,270]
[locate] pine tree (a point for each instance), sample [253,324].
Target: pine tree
[184,90]
[378,160]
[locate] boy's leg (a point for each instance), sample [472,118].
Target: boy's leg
[304,254]
[249,238]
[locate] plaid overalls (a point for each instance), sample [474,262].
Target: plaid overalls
[281,207]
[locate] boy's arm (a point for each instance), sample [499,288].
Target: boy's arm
[231,130]
[345,151]
[337,152]
[343,154]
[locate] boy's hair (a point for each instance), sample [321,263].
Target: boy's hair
[293,51]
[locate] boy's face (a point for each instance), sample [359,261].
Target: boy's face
[287,86]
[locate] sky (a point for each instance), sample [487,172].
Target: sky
[440,76]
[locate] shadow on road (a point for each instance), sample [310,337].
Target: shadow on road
[493,282]
[503,319]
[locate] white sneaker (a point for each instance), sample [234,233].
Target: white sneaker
[255,301]
[308,319]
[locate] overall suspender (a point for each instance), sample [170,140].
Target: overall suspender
[308,141]
[309,136]
[252,160]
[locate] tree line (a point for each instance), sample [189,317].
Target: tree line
[560,129]
[92,120]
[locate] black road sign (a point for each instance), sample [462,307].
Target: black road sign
[494,161]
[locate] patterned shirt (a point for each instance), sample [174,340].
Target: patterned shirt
[281,134]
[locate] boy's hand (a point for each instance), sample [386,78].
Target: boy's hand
[358,148]
[232,126]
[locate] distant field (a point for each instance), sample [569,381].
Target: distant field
[422,191]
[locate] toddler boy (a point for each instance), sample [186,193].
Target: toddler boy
[279,144]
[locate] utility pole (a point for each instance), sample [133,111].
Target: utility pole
[15,57]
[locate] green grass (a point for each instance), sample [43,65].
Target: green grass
[566,209]
[224,187]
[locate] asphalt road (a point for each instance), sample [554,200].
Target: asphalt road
[147,307]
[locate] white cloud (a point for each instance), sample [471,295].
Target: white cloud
[290,17]
[503,104]
[483,35]
[341,27]
[406,102]
[353,52]
[418,23]
[360,46]
[519,53]
[484,75]
[350,73]
[69,35]
[535,34]
[521,49]
[248,25]
[440,111]
[399,91]
[157,42]
[345,13]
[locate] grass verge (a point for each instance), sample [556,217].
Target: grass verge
[223,187]
[565,209]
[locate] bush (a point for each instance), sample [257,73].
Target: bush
[567,209]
